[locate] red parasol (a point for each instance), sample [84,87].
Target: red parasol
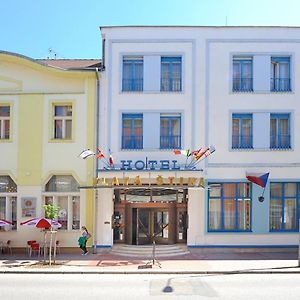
[5,222]
[42,223]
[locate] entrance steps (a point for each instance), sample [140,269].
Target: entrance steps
[146,251]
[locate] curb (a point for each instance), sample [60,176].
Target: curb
[154,272]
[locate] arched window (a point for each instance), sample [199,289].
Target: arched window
[8,202]
[63,191]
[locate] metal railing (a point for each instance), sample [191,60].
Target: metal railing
[242,84]
[280,84]
[132,142]
[242,142]
[170,85]
[132,84]
[170,142]
[281,141]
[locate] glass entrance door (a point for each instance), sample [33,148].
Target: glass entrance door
[151,224]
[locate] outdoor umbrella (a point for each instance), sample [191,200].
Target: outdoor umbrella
[42,223]
[47,224]
[5,222]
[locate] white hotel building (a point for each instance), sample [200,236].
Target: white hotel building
[167,88]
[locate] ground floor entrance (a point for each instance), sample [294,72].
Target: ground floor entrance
[141,222]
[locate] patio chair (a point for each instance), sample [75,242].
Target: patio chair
[7,247]
[57,247]
[35,248]
[29,245]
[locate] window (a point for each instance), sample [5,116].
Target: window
[63,122]
[229,207]
[8,202]
[280,74]
[170,131]
[284,205]
[132,79]
[4,122]
[242,131]
[132,131]
[62,190]
[171,74]
[242,74]
[280,131]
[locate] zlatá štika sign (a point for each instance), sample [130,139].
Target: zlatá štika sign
[159,181]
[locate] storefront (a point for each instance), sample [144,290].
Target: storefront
[138,208]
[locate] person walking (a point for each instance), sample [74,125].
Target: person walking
[83,240]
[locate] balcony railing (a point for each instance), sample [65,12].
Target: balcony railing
[132,142]
[281,141]
[280,84]
[171,85]
[242,85]
[170,142]
[132,85]
[242,142]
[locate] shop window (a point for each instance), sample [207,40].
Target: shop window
[229,207]
[284,204]
[8,202]
[62,190]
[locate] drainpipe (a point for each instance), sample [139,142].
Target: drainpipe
[95,204]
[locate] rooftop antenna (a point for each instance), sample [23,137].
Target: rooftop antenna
[52,53]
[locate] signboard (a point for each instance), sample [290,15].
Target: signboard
[28,205]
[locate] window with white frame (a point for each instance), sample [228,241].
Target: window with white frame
[4,122]
[62,122]
[8,202]
[62,190]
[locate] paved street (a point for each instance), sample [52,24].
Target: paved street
[94,286]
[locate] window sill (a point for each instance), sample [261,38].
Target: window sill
[61,141]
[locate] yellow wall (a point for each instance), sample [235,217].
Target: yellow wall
[30,141]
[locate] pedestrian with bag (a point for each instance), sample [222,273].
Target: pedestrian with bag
[85,235]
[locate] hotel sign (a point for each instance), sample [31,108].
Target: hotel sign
[127,165]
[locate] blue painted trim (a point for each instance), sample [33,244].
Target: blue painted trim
[243,139]
[242,246]
[103,246]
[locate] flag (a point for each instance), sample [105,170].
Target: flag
[110,160]
[195,152]
[183,152]
[259,180]
[86,153]
[208,151]
[100,154]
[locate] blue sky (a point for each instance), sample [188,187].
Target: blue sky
[71,27]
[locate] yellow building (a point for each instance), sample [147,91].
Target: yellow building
[47,117]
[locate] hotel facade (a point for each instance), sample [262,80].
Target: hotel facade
[168,88]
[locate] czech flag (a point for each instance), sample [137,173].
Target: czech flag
[259,180]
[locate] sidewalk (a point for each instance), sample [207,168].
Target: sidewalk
[193,263]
